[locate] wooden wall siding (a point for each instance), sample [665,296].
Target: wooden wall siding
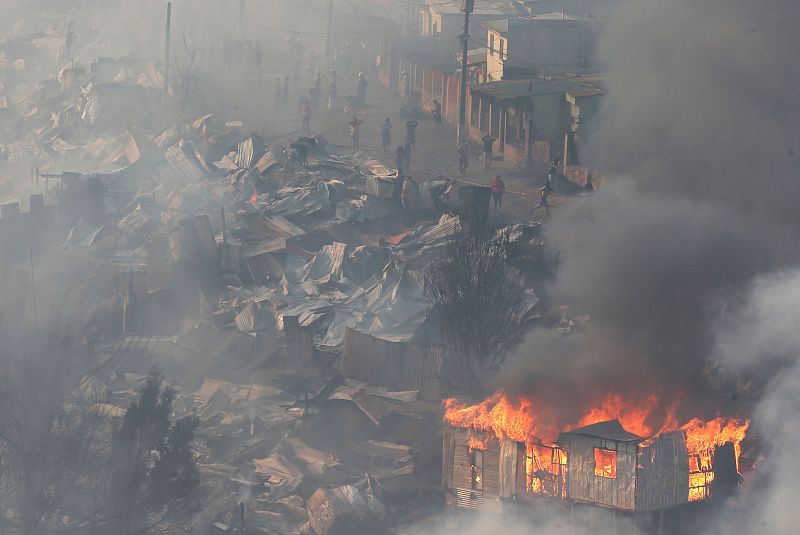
[457,475]
[663,474]
[512,468]
[394,365]
[584,486]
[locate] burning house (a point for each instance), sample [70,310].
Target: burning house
[492,455]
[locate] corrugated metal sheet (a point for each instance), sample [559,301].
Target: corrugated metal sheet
[280,227]
[184,242]
[395,365]
[250,250]
[585,486]
[249,151]
[662,475]
[184,163]
[267,161]
[447,227]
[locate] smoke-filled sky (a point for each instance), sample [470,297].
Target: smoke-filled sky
[674,264]
[703,101]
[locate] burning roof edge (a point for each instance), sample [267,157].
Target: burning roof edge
[611,430]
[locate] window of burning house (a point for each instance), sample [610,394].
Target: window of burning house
[546,469]
[701,474]
[476,469]
[605,463]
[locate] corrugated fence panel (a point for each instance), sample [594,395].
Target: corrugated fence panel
[394,365]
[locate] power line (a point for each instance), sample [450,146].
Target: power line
[278,30]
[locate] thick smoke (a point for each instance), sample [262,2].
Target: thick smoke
[761,339]
[702,101]
[701,115]
[652,273]
[529,521]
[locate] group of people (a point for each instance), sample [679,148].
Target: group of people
[312,101]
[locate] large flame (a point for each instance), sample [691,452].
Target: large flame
[529,422]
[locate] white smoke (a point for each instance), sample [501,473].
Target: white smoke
[761,342]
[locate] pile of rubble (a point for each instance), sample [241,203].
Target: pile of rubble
[238,266]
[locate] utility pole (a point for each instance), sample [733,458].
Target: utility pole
[461,131]
[33,293]
[329,35]
[166,53]
[241,17]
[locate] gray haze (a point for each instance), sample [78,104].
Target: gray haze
[762,334]
[703,101]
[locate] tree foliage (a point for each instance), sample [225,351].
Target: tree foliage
[478,297]
[153,468]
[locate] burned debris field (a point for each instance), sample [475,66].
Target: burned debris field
[343,267]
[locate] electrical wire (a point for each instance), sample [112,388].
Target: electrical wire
[277,30]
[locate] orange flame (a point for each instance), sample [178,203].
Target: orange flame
[701,439]
[633,417]
[524,421]
[498,414]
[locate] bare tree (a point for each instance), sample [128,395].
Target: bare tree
[48,430]
[478,298]
[186,74]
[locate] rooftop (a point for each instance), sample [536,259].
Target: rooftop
[482,7]
[502,26]
[508,89]
[611,430]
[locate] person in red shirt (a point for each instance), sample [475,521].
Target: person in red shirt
[498,188]
[355,125]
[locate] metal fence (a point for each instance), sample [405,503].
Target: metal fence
[397,366]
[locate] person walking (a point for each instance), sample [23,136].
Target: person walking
[285,95]
[355,126]
[544,198]
[400,158]
[305,115]
[437,115]
[498,188]
[315,92]
[333,95]
[386,136]
[411,134]
[361,89]
[553,172]
[408,152]
[463,157]
[488,143]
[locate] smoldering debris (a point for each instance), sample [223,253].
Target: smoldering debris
[237,265]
